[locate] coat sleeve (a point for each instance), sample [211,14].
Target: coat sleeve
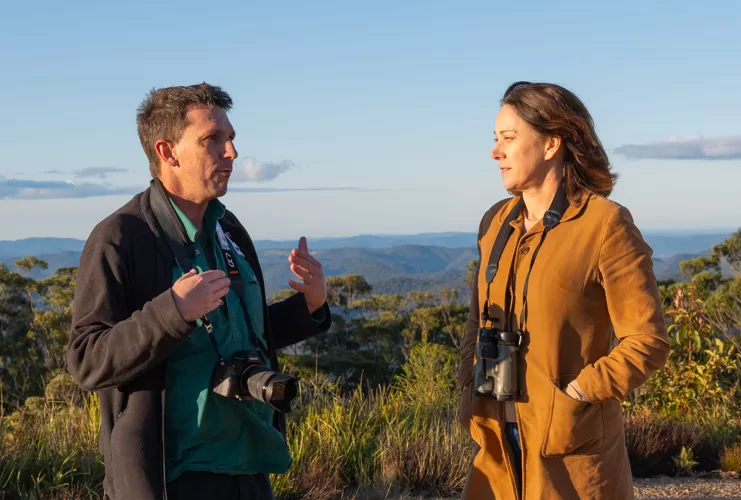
[107,346]
[465,368]
[635,309]
[290,322]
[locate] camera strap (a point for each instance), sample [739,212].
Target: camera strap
[237,284]
[184,252]
[551,218]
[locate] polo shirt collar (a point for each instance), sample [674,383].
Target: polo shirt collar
[214,212]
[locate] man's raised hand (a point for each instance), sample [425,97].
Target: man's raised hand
[309,270]
[198,294]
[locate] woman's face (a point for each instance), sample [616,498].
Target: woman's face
[524,155]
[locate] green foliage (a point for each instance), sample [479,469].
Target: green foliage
[730,250]
[700,265]
[378,404]
[685,461]
[49,448]
[724,309]
[428,376]
[345,290]
[702,375]
[722,295]
[472,270]
[35,320]
[372,336]
[282,295]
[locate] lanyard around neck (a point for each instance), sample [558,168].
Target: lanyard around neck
[551,218]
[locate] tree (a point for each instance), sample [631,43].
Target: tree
[721,294]
[53,321]
[730,250]
[16,317]
[454,318]
[472,270]
[343,291]
[35,320]
[282,295]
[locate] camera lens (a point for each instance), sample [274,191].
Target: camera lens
[270,387]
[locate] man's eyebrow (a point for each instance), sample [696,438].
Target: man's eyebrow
[213,131]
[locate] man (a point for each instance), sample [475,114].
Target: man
[141,318]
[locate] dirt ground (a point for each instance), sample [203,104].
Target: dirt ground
[690,488]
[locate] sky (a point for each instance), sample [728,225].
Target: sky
[366,117]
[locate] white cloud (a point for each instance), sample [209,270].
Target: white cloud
[24,189]
[255,171]
[100,172]
[685,148]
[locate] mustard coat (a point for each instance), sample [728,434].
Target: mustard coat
[592,276]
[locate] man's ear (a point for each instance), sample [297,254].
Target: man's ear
[166,152]
[552,147]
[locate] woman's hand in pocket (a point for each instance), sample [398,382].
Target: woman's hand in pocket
[574,392]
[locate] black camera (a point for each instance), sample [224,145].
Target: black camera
[246,377]
[497,363]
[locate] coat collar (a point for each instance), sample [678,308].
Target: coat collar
[574,210]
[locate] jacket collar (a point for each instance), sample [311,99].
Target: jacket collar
[574,210]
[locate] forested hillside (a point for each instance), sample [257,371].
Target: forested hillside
[379,406]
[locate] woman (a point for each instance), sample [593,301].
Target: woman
[572,268]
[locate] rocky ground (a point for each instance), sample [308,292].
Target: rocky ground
[686,488]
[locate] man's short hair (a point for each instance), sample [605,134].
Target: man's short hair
[162,114]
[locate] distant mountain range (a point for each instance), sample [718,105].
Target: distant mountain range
[391,263]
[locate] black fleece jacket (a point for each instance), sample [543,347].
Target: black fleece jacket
[124,325]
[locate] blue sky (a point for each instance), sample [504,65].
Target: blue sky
[371,117]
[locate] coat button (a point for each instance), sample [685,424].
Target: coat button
[524,250]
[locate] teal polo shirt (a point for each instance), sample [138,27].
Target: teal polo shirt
[203,430]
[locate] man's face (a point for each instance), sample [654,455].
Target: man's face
[205,154]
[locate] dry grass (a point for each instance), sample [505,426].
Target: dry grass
[730,459]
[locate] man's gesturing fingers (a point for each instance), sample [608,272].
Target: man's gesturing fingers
[198,294]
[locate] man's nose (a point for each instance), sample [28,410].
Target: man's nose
[231,151]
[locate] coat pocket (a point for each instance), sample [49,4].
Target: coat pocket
[574,427]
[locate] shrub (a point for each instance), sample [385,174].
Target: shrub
[654,442]
[426,452]
[719,436]
[700,380]
[730,460]
[684,462]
